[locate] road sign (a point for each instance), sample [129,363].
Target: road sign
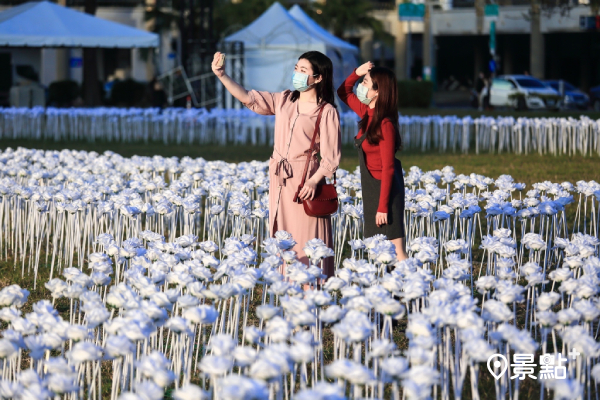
[75,62]
[491,10]
[493,37]
[589,23]
[411,12]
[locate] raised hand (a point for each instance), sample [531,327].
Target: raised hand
[363,69]
[219,71]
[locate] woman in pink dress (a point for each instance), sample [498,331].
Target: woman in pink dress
[295,117]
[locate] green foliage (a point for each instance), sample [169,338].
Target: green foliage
[63,93]
[542,96]
[516,96]
[342,15]
[128,93]
[230,17]
[162,18]
[521,95]
[415,94]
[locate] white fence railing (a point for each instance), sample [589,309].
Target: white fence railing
[242,127]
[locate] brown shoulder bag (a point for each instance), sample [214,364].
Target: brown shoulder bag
[325,201]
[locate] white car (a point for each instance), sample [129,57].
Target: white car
[523,92]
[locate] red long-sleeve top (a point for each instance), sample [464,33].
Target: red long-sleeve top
[378,157]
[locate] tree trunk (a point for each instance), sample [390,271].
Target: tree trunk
[90,67]
[401,48]
[428,59]
[537,56]
[479,12]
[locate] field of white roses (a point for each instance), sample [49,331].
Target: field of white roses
[169,284]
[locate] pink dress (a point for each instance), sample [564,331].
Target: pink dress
[293,133]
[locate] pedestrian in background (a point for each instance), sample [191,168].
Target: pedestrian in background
[480,85]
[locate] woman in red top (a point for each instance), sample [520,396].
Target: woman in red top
[378,139]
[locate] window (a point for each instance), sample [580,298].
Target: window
[529,83]
[502,84]
[556,86]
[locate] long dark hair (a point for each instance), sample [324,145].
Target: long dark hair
[321,65]
[384,81]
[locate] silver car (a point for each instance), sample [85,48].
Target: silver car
[523,92]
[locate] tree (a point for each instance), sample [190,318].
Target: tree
[162,20]
[195,22]
[343,15]
[232,16]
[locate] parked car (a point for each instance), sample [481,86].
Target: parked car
[571,96]
[523,92]
[595,98]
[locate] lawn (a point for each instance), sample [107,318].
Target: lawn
[523,168]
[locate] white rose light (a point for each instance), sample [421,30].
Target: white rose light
[149,296]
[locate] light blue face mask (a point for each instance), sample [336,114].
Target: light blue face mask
[300,81]
[361,93]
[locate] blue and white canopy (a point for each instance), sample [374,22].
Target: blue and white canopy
[45,24]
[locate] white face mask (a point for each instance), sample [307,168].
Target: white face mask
[300,81]
[361,93]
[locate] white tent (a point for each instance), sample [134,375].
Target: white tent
[45,24]
[275,40]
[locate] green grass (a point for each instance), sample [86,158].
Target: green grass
[528,169]
[523,168]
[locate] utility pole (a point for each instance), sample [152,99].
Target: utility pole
[428,44]
[400,47]
[537,53]
[479,12]
[62,64]
[479,58]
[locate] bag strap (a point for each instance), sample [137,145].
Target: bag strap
[309,152]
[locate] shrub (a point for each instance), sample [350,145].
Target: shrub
[415,94]
[63,93]
[128,93]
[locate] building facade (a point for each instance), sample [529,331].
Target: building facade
[558,48]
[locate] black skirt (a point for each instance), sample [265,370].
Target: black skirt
[371,189]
